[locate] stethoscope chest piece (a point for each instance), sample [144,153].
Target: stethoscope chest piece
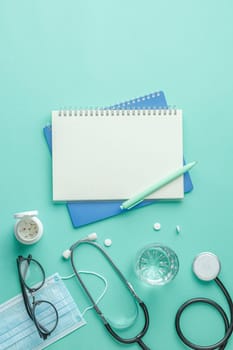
[206,266]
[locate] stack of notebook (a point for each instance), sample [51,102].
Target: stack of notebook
[102,157]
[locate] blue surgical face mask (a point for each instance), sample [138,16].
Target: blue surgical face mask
[17,330]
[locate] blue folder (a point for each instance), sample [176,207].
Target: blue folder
[86,212]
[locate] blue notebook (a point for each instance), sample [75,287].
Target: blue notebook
[86,212]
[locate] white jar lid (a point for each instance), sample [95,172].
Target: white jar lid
[26,213]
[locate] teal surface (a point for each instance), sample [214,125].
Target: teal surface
[71,54]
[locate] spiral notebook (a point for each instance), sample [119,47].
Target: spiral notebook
[86,212]
[113,154]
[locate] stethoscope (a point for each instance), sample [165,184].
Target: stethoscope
[206,267]
[138,338]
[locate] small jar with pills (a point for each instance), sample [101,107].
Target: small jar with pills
[28,228]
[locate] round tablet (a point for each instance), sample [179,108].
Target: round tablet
[206,266]
[157,226]
[108,242]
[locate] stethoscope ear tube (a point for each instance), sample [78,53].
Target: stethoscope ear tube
[138,337]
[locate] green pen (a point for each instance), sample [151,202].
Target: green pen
[137,198]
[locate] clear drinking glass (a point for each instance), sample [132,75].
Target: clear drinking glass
[156,264]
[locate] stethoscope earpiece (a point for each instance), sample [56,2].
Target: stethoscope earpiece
[91,237]
[206,266]
[66,254]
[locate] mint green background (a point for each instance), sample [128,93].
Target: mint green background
[71,54]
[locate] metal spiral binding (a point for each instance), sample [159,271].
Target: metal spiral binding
[117,112]
[122,109]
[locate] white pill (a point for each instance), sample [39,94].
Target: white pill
[108,242]
[157,226]
[177,228]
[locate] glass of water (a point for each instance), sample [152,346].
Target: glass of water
[156,264]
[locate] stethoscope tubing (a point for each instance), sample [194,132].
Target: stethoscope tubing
[228,324]
[138,337]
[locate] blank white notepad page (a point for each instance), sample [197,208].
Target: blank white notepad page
[104,155]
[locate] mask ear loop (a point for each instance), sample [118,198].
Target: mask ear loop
[101,295]
[115,325]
